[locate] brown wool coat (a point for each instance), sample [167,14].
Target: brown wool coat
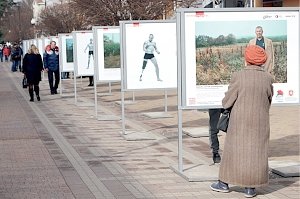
[245,157]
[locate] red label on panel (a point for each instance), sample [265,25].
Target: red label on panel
[200,14]
[136,24]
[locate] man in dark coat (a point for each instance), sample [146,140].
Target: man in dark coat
[51,65]
[16,56]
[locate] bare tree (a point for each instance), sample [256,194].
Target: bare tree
[110,12]
[82,15]
[62,18]
[148,10]
[4,5]
[15,21]
[188,3]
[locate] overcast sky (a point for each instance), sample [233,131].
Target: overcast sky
[241,28]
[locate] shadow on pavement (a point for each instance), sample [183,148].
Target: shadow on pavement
[285,146]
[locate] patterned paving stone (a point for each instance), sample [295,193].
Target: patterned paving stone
[91,160]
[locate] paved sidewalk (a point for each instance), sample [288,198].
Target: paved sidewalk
[56,149]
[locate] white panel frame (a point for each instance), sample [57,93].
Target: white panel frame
[169,77]
[40,46]
[64,65]
[103,74]
[186,62]
[81,70]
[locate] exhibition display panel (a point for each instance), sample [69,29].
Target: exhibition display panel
[149,54]
[212,44]
[107,53]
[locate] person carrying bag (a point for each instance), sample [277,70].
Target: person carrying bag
[224,121]
[24,82]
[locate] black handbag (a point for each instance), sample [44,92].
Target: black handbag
[24,82]
[224,120]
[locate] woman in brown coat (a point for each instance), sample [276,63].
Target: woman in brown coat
[245,156]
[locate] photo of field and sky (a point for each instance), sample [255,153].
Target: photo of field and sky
[111,50]
[220,47]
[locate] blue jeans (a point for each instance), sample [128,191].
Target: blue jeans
[1,57]
[15,65]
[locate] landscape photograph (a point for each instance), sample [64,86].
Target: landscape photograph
[220,47]
[69,50]
[111,42]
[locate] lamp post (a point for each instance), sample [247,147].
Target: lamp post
[18,4]
[34,22]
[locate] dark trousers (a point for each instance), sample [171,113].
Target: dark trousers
[35,88]
[15,65]
[214,116]
[53,89]
[91,80]
[65,75]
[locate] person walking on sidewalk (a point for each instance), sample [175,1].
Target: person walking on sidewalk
[51,64]
[1,52]
[245,156]
[32,67]
[6,52]
[16,56]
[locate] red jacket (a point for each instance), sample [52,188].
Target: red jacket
[6,51]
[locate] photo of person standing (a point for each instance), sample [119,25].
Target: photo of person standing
[90,47]
[267,45]
[149,47]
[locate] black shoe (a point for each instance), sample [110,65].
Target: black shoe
[250,192]
[31,100]
[220,187]
[216,157]
[38,98]
[91,85]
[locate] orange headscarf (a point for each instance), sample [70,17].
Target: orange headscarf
[255,55]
